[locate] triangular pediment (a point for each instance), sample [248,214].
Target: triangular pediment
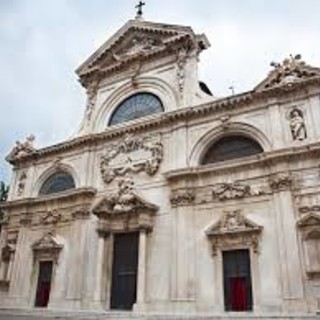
[233,222]
[47,242]
[117,204]
[291,70]
[136,39]
[310,219]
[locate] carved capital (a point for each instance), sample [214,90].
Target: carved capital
[182,197]
[83,213]
[25,219]
[50,217]
[280,181]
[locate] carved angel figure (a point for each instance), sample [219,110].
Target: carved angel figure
[297,125]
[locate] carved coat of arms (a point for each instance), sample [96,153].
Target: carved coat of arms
[131,155]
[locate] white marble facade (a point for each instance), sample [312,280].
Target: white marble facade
[145,175]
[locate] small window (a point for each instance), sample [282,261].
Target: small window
[58,182]
[231,147]
[136,106]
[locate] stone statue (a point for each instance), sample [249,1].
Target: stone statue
[22,148]
[297,125]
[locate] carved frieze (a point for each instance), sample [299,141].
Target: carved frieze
[133,154]
[235,190]
[234,231]
[280,181]
[182,197]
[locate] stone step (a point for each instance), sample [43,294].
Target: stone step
[15,314]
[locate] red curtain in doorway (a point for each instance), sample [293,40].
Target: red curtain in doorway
[239,299]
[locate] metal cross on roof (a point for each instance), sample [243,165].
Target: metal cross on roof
[139,7]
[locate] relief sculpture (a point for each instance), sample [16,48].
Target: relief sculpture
[132,155]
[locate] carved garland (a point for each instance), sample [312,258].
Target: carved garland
[132,155]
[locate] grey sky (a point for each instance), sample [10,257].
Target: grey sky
[44,41]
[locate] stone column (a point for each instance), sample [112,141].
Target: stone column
[99,294]
[142,260]
[290,264]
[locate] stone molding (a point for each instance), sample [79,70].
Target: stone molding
[138,41]
[229,103]
[234,231]
[150,155]
[81,193]
[182,197]
[124,209]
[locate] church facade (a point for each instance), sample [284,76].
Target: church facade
[169,199]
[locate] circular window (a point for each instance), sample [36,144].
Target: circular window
[136,106]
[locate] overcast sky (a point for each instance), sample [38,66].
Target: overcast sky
[42,42]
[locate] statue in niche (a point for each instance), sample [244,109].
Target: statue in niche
[297,125]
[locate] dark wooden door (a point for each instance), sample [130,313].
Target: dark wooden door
[237,280]
[124,271]
[44,284]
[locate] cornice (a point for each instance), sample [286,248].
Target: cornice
[262,160]
[84,193]
[95,72]
[222,105]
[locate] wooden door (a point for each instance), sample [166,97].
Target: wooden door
[44,284]
[124,271]
[237,280]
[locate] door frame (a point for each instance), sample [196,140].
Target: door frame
[112,265]
[255,276]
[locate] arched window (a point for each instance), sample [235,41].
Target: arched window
[136,106]
[231,147]
[57,182]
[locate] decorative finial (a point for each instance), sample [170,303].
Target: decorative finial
[139,7]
